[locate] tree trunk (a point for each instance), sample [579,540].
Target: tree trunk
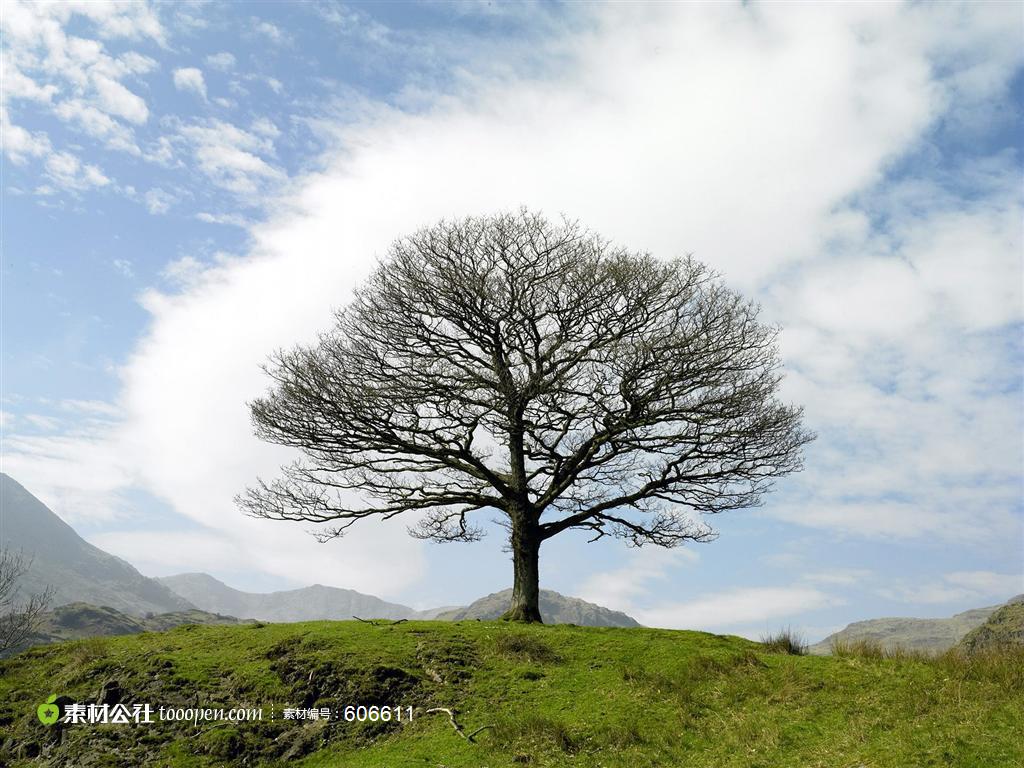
[525,605]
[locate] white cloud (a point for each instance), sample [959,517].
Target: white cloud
[184,271]
[621,587]
[68,172]
[157,553]
[242,544]
[265,127]
[78,474]
[94,408]
[232,219]
[18,86]
[839,576]
[190,79]
[135,20]
[117,100]
[732,608]
[46,423]
[222,61]
[124,266]
[162,152]
[97,124]
[75,77]
[231,157]
[638,589]
[18,144]
[958,586]
[273,33]
[159,201]
[988,582]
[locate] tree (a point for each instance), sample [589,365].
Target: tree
[18,620]
[514,365]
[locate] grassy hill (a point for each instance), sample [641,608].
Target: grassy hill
[1004,627]
[554,696]
[75,621]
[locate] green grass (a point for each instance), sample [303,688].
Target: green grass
[549,696]
[785,641]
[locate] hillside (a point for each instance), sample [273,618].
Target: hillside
[552,696]
[78,571]
[304,604]
[554,609]
[1005,627]
[933,635]
[79,620]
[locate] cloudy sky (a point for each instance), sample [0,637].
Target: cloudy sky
[189,186]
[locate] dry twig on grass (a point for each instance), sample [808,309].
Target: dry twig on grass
[470,737]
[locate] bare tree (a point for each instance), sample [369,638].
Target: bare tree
[18,620]
[511,364]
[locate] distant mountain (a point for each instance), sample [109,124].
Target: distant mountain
[431,614]
[82,573]
[1002,628]
[78,571]
[554,609]
[305,604]
[914,634]
[78,620]
[320,602]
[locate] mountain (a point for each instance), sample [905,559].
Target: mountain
[320,602]
[1003,628]
[82,573]
[78,571]
[78,620]
[305,604]
[434,614]
[913,634]
[554,609]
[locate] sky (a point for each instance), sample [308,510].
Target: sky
[189,186]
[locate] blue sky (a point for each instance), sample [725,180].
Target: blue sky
[188,186]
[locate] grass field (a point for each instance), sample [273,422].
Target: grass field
[549,696]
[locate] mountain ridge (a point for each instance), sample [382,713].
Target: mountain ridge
[1005,627]
[555,608]
[82,573]
[311,603]
[77,570]
[932,635]
[317,602]
[75,621]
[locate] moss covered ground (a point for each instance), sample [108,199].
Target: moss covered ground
[543,695]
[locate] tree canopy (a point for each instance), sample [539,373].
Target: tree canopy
[512,365]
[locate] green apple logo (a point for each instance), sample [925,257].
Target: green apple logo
[48,712]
